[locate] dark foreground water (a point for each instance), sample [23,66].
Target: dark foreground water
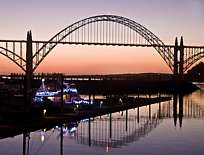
[173,127]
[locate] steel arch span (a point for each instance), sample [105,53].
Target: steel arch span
[18,60]
[97,30]
[192,56]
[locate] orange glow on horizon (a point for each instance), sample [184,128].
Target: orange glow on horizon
[96,60]
[103,60]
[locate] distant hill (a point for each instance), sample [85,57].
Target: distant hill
[141,76]
[196,73]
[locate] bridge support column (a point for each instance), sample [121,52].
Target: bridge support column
[29,71]
[181,59]
[176,49]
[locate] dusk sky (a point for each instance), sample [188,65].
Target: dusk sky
[165,18]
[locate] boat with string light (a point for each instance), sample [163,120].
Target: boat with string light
[52,91]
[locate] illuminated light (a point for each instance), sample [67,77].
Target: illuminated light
[6,77]
[50,98]
[42,135]
[3,77]
[38,99]
[85,120]
[68,90]
[43,80]
[80,101]
[101,103]
[44,129]
[44,112]
[67,130]
[42,138]
[50,94]
[73,129]
[107,148]
[46,93]
[74,90]
[77,106]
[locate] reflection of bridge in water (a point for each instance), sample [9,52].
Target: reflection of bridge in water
[183,108]
[119,129]
[114,132]
[122,128]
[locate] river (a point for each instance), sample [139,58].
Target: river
[172,127]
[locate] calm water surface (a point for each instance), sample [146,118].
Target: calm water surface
[173,127]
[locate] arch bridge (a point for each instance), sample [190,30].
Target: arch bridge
[101,30]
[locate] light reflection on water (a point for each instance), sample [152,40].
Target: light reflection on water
[172,127]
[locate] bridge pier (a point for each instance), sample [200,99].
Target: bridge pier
[178,58]
[181,59]
[29,71]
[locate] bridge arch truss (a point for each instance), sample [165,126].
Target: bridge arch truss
[106,30]
[11,55]
[192,55]
[100,30]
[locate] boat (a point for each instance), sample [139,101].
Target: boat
[52,91]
